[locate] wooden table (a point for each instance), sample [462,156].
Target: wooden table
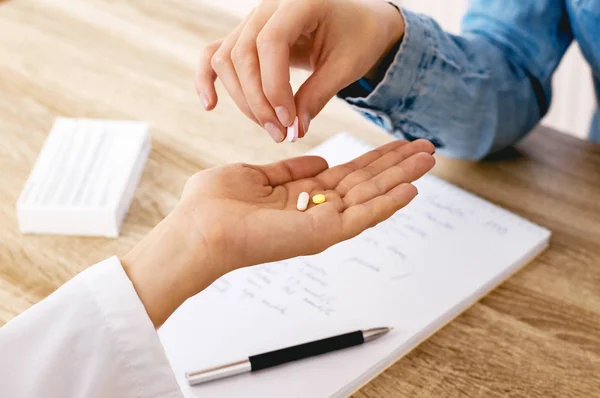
[538,335]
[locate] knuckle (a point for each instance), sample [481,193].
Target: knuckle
[267,40]
[272,91]
[219,61]
[259,116]
[241,54]
[210,49]
[262,116]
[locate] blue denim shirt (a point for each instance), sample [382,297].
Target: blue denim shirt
[482,90]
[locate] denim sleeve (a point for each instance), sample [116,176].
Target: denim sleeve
[474,93]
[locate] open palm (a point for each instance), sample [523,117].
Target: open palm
[247,214]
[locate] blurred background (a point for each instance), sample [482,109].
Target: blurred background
[573,102]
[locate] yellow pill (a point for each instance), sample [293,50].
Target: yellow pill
[318,199]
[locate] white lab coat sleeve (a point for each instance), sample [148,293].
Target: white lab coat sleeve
[91,338]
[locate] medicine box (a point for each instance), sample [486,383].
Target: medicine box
[85,177]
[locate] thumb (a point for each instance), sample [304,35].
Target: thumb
[321,86]
[294,169]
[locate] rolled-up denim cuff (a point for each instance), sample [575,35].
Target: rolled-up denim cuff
[403,80]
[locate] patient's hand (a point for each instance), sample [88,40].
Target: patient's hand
[241,215]
[246,215]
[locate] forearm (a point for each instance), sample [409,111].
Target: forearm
[396,28]
[471,94]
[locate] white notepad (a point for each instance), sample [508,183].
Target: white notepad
[416,272]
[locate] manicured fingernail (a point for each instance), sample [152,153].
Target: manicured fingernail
[292,131]
[283,115]
[204,99]
[274,131]
[305,122]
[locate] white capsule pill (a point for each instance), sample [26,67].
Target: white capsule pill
[292,131]
[302,203]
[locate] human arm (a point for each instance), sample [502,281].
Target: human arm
[474,93]
[95,336]
[470,94]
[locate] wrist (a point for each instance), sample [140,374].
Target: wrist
[166,269]
[393,31]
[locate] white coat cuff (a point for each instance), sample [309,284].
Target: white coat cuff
[143,358]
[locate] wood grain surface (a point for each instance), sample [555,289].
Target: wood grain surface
[538,335]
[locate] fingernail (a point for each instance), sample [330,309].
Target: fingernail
[274,131]
[292,131]
[204,99]
[305,122]
[283,115]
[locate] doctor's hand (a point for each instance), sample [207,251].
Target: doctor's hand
[241,215]
[339,41]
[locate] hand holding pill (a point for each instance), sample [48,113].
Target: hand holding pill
[339,41]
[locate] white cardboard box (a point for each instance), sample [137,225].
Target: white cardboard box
[84,179]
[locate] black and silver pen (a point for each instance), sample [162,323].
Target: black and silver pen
[284,355]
